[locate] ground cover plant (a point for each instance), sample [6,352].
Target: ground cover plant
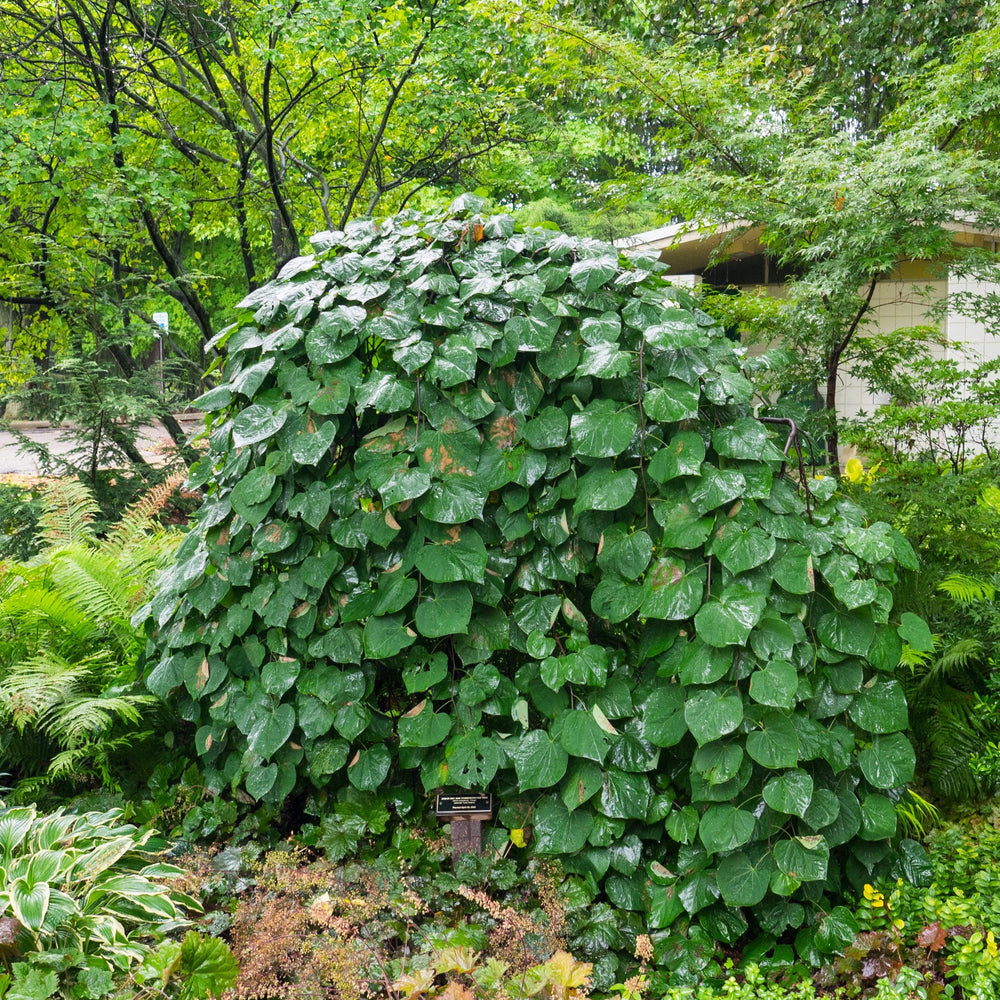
[399,918]
[489,509]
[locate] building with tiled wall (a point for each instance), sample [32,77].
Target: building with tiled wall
[904,298]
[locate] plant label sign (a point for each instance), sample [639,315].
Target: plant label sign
[466,813]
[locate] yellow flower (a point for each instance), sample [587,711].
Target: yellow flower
[873,895]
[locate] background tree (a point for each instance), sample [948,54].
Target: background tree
[181,150]
[763,123]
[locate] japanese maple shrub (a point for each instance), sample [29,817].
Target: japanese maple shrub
[489,509]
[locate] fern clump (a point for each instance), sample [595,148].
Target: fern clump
[67,646]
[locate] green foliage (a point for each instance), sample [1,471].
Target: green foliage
[181,181]
[949,929]
[751,984]
[80,894]
[760,123]
[67,646]
[488,508]
[19,511]
[942,413]
[192,969]
[951,518]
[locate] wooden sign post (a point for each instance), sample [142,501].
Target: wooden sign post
[466,814]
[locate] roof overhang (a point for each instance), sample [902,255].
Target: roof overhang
[692,247]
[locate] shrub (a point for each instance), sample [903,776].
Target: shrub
[490,509]
[955,921]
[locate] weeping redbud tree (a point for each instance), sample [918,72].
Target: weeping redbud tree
[489,509]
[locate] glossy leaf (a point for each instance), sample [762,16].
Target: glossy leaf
[557,830]
[683,456]
[889,762]
[539,761]
[880,707]
[718,762]
[673,589]
[775,744]
[458,555]
[740,549]
[421,726]
[605,489]
[728,621]
[603,430]
[367,769]
[744,876]
[724,828]
[257,423]
[446,611]
[803,858]
[790,792]
[582,736]
[776,685]
[663,720]
[794,571]
[878,817]
[710,715]
[914,631]
[273,731]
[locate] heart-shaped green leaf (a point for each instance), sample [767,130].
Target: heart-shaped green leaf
[728,620]
[889,762]
[710,715]
[421,726]
[790,792]
[724,828]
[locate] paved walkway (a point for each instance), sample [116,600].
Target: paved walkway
[154,442]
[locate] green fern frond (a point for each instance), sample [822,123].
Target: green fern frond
[954,736]
[81,759]
[39,618]
[76,721]
[961,655]
[29,790]
[97,584]
[966,589]
[915,659]
[36,686]
[954,664]
[68,512]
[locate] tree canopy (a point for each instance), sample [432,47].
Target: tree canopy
[170,157]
